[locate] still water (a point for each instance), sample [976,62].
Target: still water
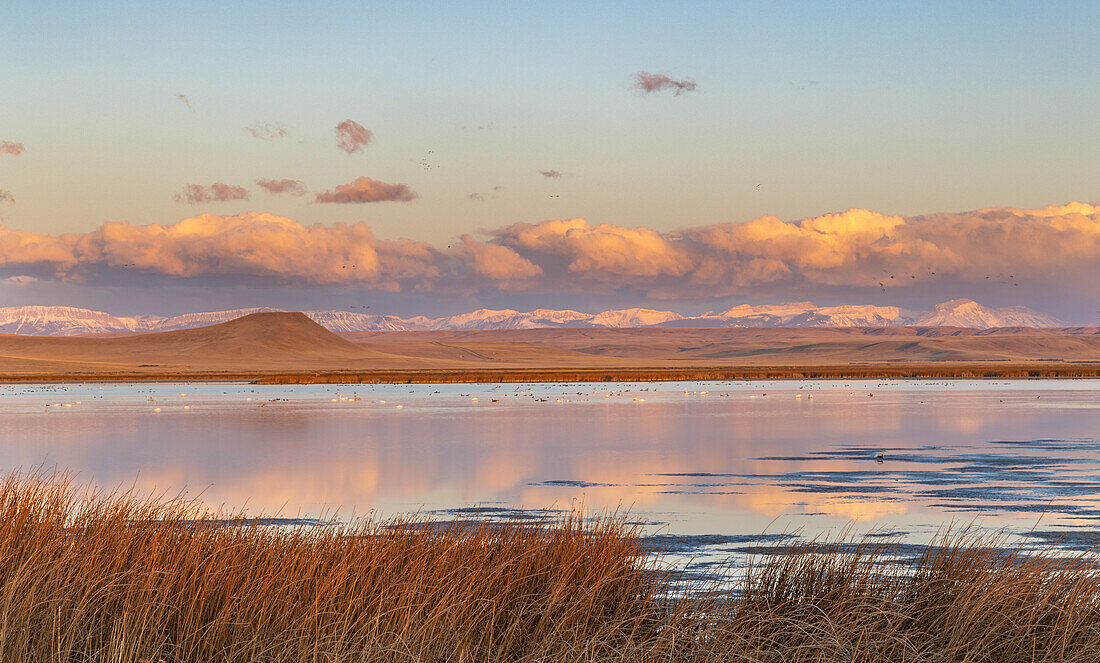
[709,466]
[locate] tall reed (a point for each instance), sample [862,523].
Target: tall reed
[93,576]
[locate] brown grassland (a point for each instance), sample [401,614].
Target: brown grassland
[289,347]
[94,576]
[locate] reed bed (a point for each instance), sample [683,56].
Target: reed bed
[94,576]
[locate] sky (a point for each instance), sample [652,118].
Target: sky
[427,158]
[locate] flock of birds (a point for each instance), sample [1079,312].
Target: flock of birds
[885,282]
[557,393]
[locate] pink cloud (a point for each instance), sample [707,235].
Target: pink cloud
[352,136]
[262,249]
[1054,250]
[589,250]
[6,197]
[852,249]
[14,149]
[366,190]
[282,187]
[500,263]
[215,193]
[20,249]
[550,174]
[646,82]
[267,131]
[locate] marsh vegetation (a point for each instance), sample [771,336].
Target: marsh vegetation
[90,575]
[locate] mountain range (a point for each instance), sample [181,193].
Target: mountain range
[70,321]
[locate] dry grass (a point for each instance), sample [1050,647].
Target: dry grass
[88,576]
[968,598]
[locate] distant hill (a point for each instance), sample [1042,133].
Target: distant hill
[272,340]
[291,346]
[71,321]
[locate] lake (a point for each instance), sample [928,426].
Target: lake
[713,468]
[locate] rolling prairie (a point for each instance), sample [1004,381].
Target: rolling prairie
[291,347]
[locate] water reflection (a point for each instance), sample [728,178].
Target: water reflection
[703,458]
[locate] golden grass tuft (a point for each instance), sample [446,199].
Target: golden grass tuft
[92,576]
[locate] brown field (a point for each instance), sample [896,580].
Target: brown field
[289,347]
[88,576]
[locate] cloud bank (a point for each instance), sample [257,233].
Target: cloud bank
[282,187]
[215,193]
[1053,249]
[352,137]
[14,149]
[366,190]
[646,82]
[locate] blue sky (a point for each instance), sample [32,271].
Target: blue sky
[901,108]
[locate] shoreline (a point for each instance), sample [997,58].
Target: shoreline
[891,371]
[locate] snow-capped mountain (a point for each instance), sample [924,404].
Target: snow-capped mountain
[348,321]
[509,319]
[63,321]
[806,314]
[633,317]
[969,313]
[66,320]
[69,320]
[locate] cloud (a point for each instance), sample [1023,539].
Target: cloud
[184,99]
[14,149]
[1055,248]
[366,190]
[588,249]
[550,174]
[215,193]
[1053,251]
[260,249]
[24,253]
[496,262]
[6,197]
[477,195]
[267,131]
[282,187]
[352,136]
[646,82]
